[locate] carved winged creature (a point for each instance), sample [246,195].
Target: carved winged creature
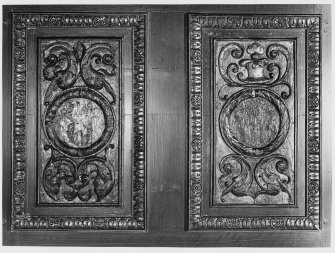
[237,176]
[64,63]
[97,63]
[61,67]
[272,176]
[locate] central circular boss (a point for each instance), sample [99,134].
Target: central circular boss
[254,122]
[79,122]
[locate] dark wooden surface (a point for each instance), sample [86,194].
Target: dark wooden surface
[209,104]
[166,166]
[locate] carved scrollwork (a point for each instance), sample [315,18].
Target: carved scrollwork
[79,121]
[237,176]
[97,63]
[58,177]
[71,62]
[255,66]
[61,66]
[272,175]
[254,122]
[64,63]
[91,181]
[97,179]
[271,68]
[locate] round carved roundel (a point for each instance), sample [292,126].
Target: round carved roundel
[254,122]
[79,122]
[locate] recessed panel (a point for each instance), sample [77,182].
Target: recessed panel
[254,126]
[80,121]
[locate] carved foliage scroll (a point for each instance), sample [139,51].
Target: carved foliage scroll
[79,162]
[254,118]
[256,75]
[80,117]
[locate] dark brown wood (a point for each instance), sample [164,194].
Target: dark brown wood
[167,138]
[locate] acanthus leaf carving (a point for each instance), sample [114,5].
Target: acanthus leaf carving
[91,180]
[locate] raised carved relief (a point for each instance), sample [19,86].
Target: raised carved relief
[270,176]
[253,119]
[255,65]
[79,114]
[79,122]
[254,122]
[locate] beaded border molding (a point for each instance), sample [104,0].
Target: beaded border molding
[22,220]
[311,220]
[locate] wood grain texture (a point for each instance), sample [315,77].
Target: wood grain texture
[167,163]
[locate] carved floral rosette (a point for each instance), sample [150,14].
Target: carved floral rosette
[196,219]
[20,218]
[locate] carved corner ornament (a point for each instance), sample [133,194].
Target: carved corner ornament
[253,122]
[78,93]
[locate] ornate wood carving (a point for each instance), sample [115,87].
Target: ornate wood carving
[80,99]
[257,84]
[254,122]
[78,76]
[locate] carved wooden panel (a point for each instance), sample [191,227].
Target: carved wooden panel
[166,125]
[254,122]
[78,131]
[80,117]
[254,155]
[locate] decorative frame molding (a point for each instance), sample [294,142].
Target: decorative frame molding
[20,219]
[311,220]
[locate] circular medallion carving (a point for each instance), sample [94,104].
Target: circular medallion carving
[254,122]
[79,122]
